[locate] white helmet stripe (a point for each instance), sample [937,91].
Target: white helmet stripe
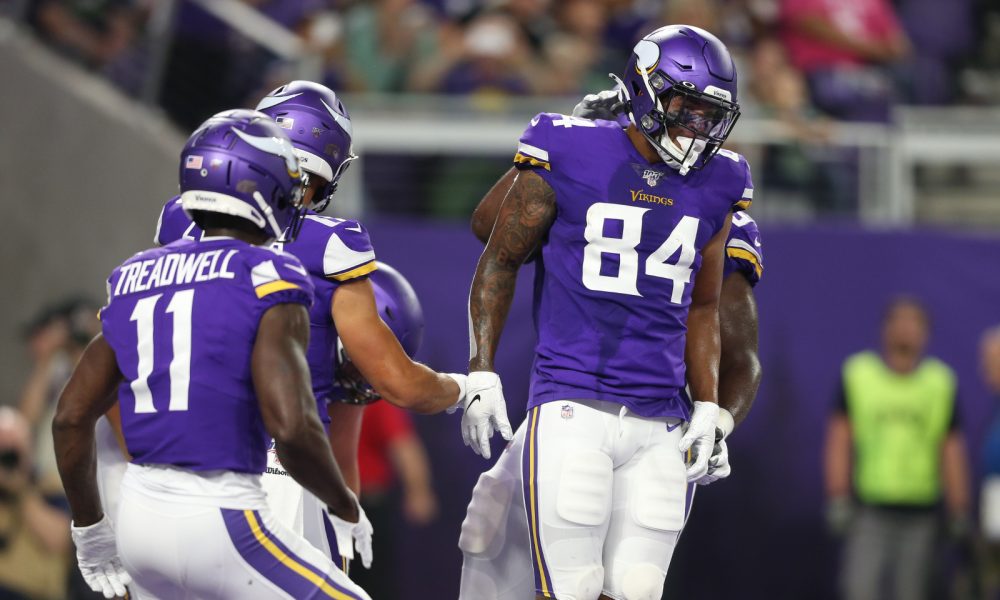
[341,120]
[221,203]
[315,164]
[269,101]
[272,145]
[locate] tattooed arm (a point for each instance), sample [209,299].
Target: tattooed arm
[485,215]
[524,220]
[522,224]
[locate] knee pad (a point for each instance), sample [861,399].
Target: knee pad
[643,581]
[587,583]
[485,518]
[585,485]
[659,492]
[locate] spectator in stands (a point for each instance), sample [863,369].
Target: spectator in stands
[385,41]
[490,58]
[55,339]
[844,48]
[800,173]
[34,523]
[96,32]
[897,415]
[576,50]
[941,40]
[389,448]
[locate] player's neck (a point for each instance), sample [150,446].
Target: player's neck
[642,144]
[256,239]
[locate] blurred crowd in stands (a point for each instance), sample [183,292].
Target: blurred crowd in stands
[849,59]
[806,63]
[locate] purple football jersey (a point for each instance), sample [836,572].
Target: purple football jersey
[744,253]
[182,320]
[333,251]
[614,284]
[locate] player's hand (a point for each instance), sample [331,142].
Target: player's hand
[604,105]
[485,412]
[718,463]
[699,438]
[351,536]
[97,555]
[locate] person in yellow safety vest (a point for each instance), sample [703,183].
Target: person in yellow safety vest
[894,450]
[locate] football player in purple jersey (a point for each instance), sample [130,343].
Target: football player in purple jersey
[340,259]
[204,341]
[399,308]
[620,339]
[494,541]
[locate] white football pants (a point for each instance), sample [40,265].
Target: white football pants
[606,497]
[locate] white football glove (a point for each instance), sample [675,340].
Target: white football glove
[97,555]
[485,412]
[353,535]
[604,105]
[699,438]
[718,464]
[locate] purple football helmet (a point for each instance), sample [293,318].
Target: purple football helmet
[400,308]
[240,163]
[681,78]
[320,129]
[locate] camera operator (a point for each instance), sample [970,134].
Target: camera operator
[34,528]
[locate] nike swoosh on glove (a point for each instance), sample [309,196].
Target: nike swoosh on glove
[700,438]
[485,412]
[97,555]
[351,536]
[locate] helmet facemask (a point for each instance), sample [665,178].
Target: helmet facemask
[326,192]
[298,213]
[686,127]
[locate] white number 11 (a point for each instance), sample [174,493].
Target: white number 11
[181,305]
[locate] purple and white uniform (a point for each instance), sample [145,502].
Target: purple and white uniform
[618,268]
[497,555]
[182,320]
[604,483]
[333,252]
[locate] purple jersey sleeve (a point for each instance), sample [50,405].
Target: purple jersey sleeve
[742,194]
[744,253]
[279,277]
[338,249]
[335,252]
[534,145]
[174,224]
[182,321]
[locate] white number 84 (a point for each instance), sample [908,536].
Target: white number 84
[682,238]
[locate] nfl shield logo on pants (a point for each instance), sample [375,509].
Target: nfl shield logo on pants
[567,411]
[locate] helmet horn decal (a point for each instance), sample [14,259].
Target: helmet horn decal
[275,146]
[269,101]
[341,120]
